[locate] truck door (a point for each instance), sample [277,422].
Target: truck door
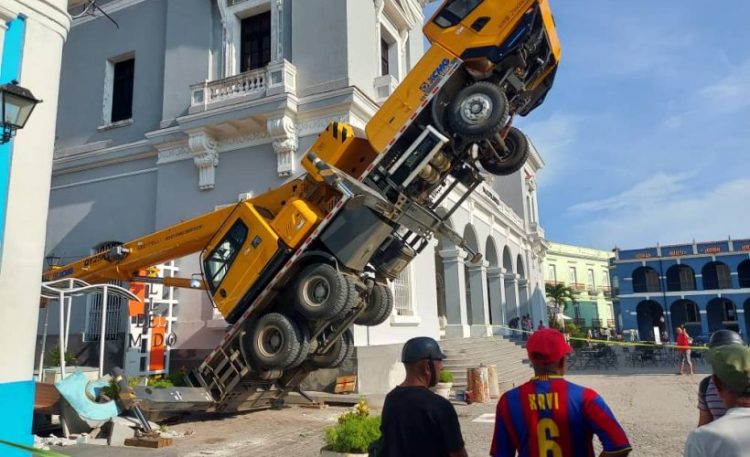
[241,261]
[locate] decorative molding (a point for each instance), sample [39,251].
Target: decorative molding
[173,152]
[315,126]
[206,158]
[243,141]
[283,130]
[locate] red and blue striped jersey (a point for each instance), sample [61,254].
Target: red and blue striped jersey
[551,417]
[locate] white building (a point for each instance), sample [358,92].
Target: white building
[32,34]
[193,103]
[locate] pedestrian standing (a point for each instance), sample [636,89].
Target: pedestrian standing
[415,420]
[710,405]
[541,325]
[549,416]
[727,436]
[683,347]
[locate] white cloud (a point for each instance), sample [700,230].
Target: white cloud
[730,93]
[667,209]
[554,138]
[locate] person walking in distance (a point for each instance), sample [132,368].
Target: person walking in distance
[551,417]
[727,436]
[416,421]
[683,347]
[710,405]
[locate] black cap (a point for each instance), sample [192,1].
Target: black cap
[723,337]
[421,348]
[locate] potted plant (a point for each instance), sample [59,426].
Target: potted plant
[445,384]
[353,434]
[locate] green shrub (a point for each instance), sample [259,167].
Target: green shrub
[577,336]
[53,357]
[445,376]
[355,430]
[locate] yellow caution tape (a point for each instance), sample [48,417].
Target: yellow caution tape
[617,343]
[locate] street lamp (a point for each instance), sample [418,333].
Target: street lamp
[17,105]
[53,261]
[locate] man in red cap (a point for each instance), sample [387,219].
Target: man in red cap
[551,417]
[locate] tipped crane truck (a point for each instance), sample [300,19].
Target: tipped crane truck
[292,269]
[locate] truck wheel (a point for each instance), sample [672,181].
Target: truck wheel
[340,351]
[379,306]
[304,347]
[273,342]
[506,163]
[478,111]
[270,375]
[321,292]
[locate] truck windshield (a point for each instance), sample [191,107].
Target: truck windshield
[220,260]
[455,11]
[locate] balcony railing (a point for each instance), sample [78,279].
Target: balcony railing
[592,290]
[578,286]
[277,77]
[606,291]
[596,323]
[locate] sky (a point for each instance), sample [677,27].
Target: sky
[645,134]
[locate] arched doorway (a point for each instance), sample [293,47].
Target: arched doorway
[686,312]
[649,314]
[721,314]
[645,279]
[474,294]
[494,295]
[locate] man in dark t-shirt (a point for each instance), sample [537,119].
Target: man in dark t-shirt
[416,421]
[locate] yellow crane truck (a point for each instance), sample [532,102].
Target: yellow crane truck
[292,269]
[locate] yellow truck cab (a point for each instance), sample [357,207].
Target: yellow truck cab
[489,60]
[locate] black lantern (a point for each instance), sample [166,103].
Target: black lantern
[17,105]
[53,261]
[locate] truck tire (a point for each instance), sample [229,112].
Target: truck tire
[512,161]
[340,351]
[304,347]
[478,111]
[270,375]
[379,306]
[321,292]
[272,343]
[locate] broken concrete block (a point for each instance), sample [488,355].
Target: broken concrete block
[119,431]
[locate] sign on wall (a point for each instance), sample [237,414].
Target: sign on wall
[151,326]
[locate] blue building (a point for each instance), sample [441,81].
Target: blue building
[705,286]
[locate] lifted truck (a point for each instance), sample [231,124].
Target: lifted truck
[292,269]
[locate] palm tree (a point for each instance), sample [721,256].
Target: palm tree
[561,296]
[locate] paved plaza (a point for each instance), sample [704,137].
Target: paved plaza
[656,407]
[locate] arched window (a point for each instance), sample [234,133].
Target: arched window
[716,275]
[645,279]
[680,277]
[743,272]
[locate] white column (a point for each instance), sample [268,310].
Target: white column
[497,295]
[480,311]
[455,293]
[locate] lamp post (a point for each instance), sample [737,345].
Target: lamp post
[53,261]
[17,105]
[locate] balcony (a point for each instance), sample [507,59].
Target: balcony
[592,290]
[606,291]
[578,286]
[384,86]
[276,78]
[537,229]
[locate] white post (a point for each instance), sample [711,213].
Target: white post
[44,343]
[61,336]
[102,331]
[67,320]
